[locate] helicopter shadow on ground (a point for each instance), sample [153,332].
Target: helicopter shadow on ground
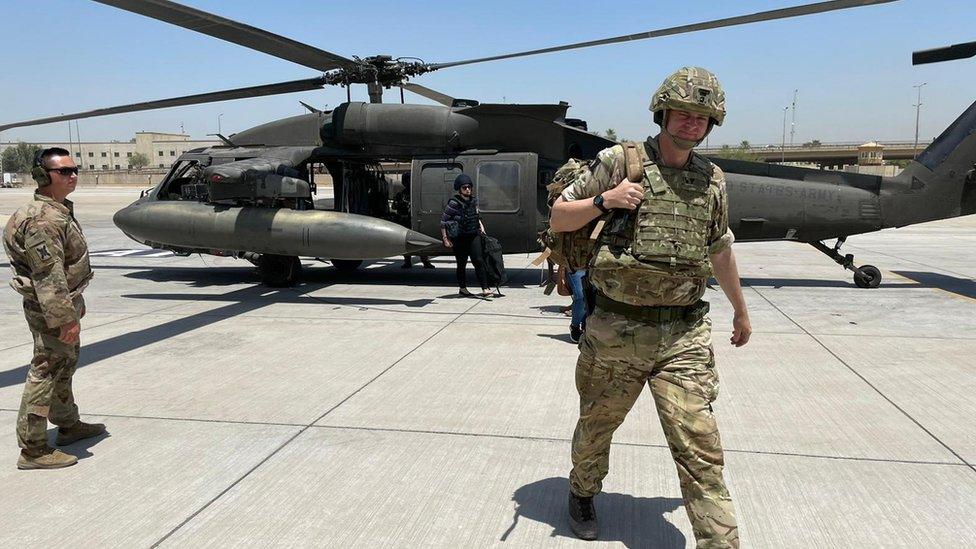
[960,286]
[791,283]
[965,287]
[633,521]
[242,301]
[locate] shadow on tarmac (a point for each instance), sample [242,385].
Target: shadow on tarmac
[633,521]
[78,449]
[960,286]
[795,283]
[917,279]
[386,274]
[244,300]
[559,337]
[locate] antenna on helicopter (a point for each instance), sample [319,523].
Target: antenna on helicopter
[226,141]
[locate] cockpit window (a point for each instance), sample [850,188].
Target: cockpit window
[182,173]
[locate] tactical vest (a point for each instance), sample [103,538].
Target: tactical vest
[468,224]
[671,227]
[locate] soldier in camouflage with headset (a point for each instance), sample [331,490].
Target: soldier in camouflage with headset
[49,259]
[665,237]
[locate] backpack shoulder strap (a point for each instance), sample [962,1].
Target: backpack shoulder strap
[633,162]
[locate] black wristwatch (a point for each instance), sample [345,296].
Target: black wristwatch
[598,202]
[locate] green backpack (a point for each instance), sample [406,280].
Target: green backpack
[574,250]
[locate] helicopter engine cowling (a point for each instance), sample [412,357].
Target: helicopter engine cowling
[397,128]
[249,179]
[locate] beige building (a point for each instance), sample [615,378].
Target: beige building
[162,149]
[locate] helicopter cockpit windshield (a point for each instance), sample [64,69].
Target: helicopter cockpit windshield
[183,173]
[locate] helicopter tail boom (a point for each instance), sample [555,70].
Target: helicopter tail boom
[940,183]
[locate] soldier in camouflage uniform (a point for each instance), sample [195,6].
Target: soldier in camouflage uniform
[49,258]
[665,237]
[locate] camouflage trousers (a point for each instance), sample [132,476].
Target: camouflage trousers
[617,357]
[47,392]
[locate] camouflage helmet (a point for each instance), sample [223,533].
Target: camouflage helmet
[692,89]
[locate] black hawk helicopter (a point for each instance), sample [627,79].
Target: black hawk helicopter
[252,197]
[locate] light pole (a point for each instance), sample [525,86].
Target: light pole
[218,122]
[918,107]
[793,123]
[782,148]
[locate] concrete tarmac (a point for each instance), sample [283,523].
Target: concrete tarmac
[378,409]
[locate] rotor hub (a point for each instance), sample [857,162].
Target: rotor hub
[378,69]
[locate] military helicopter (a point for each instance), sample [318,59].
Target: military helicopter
[252,197]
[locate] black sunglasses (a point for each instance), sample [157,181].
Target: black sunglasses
[64,171]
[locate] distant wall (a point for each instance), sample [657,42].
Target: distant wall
[122,178]
[143,178]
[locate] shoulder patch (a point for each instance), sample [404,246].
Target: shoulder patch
[38,247]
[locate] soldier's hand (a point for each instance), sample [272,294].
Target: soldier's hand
[447,243]
[625,195]
[741,329]
[70,333]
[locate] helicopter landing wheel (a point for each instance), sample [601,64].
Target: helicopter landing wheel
[346,265]
[279,271]
[867,276]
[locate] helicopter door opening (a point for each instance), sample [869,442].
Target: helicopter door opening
[428,199]
[505,185]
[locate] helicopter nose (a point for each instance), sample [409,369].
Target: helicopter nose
[124,220]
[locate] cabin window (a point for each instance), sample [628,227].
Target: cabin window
[497,186]
[437,185]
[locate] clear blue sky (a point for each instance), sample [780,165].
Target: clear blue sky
[852,68]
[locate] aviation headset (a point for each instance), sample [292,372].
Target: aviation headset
[38,172]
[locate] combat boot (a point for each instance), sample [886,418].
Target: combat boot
[78,431]
[45,458]
[582,517]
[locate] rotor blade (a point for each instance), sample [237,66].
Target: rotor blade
[226,95]
[796,11]
[234,32]
[424,91]
[948,53]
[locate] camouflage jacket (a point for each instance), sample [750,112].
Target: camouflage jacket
[621,276]
[49,258]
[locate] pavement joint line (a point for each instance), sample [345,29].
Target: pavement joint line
[305,428]
[550,321]
[183,419]
[495,436]
[871,385]
[632,444]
